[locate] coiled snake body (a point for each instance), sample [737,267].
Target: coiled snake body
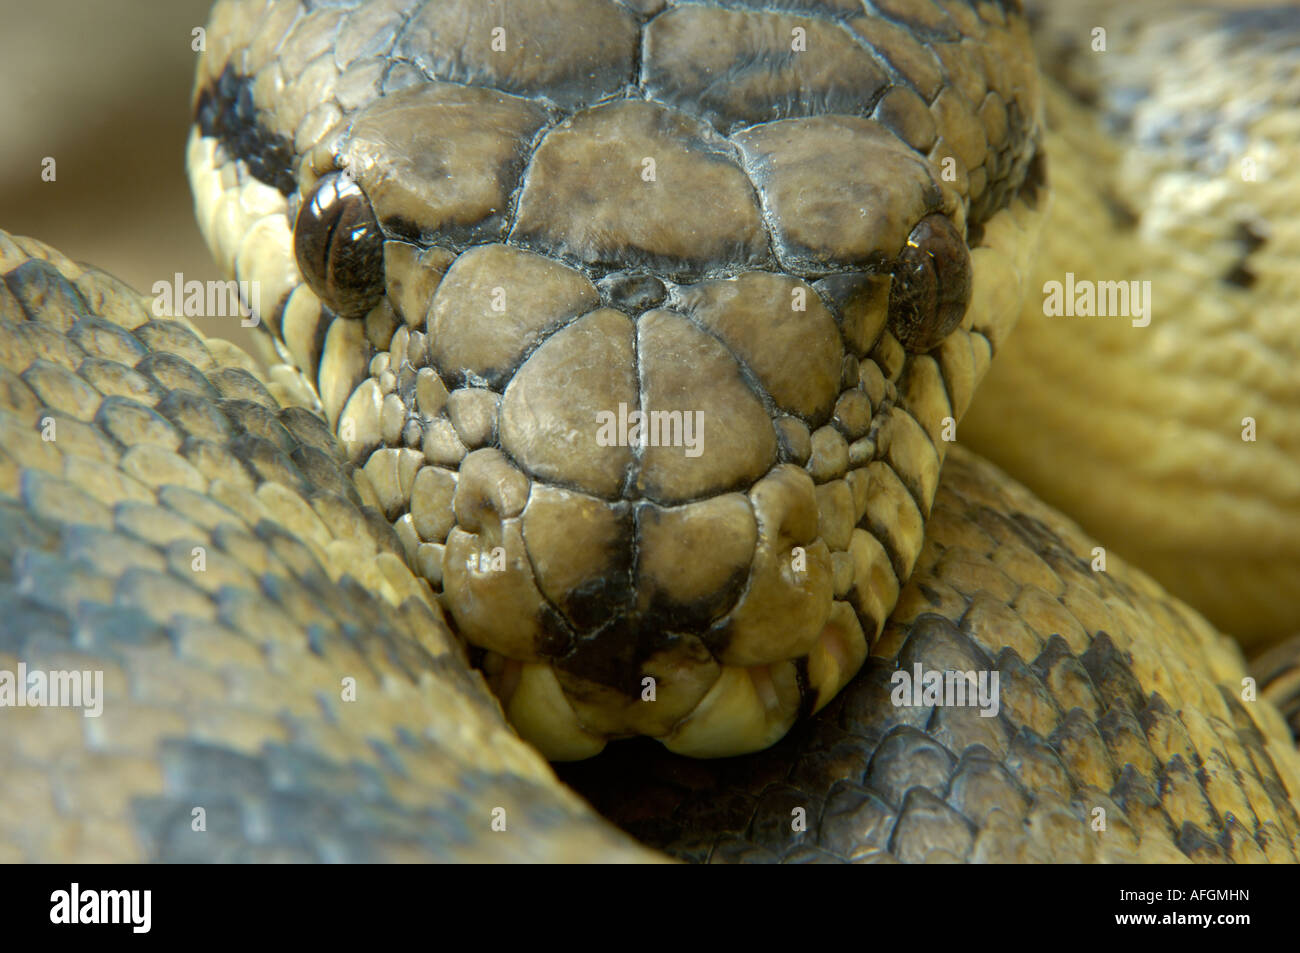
[485,236]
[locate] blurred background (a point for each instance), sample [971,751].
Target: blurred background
[103,88]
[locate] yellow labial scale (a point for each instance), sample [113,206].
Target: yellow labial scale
[893,516]
[539,711]
[746,710]
[913,457]
[875,586]
[925,393]
[837,654]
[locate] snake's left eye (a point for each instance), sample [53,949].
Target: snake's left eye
[931,286]
[339,246]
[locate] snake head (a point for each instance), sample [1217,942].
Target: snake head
[639,446]
[650,387]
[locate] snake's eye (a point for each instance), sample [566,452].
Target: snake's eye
[931,286]
[339,246]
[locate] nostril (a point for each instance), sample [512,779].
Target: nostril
[488,490]
[786,505]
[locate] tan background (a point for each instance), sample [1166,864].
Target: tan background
[104,88]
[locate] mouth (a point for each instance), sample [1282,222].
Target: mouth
[711,626]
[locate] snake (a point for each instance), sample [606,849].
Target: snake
[593,482]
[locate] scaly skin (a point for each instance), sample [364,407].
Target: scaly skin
[223,678]
[232,564]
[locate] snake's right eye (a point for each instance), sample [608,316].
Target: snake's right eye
[339,246]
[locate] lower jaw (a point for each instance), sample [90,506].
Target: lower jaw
[746,709]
